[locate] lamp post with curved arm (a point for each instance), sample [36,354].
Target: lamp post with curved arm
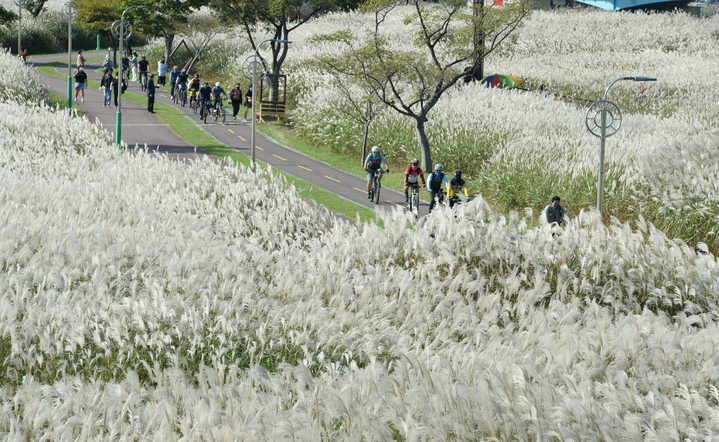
[70,10]
[252,66]
[121,37]
[602,109]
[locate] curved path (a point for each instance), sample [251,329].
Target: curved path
[141,127]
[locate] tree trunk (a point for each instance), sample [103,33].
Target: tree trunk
[273,84]
[364,141]
[423,144]
[169,38]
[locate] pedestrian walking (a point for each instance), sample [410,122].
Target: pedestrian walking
[133,63]
[236,100]
[161,71]
[80,59]
[115,84]
[248,99]
[151,94]
[106,85]
[80,82]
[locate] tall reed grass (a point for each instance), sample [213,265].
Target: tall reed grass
[147,299]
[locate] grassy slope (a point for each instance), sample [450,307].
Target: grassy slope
[194,135]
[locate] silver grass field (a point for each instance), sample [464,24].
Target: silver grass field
[151,300]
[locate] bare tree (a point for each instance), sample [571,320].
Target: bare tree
[447,37]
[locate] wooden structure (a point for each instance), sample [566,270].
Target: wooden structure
[274,108]
[187,48]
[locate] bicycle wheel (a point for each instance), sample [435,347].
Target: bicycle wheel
[183,97]
[203,113]
[414,202]
[175,98]
[223,113]
[377,187]
[216,112]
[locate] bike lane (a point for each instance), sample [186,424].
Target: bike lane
[140,127]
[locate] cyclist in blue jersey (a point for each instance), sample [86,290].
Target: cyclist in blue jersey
[373,165]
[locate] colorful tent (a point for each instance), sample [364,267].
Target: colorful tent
[502,81]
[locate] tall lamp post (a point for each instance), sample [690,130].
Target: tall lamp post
[119,28]
[20,4]
[610,117]
[70,10]
[253,66]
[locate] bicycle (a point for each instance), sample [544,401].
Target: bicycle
[143,80]
[413,202]
[204,110]
[375,186]
[194,103]
[183,95]
[437,198]
[219,111]
[174,94]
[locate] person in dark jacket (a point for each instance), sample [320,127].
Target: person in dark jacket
[106,83]
[555,213]
[151,94]
[80,82]
[236,100]
[115,84]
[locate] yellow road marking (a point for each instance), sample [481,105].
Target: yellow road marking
[330,178]
[231,131]
[400,205]
[276,156]
[264,149]
[360,190]
[302,167]
[241,138]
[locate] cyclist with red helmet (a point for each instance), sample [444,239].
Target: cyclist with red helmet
[410,177]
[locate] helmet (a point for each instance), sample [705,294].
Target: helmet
[458,172]
[415,162]
[107,57]
[438,167]
[375,150]
[196,75]
[184,71]
[218,84]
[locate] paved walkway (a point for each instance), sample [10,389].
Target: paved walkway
[141,127]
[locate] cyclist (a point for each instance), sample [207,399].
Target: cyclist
[195,86]
[174,73]
[182,81]
[410,177]
[456,185]
[372,165]
[435,185]
[217,91]
[125,66]
[205,98]
[107,64]
[555,213]
[143,65]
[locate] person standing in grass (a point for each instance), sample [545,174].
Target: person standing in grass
[80,82]
[80,59]
[236,99]
[151,94]
[556,213]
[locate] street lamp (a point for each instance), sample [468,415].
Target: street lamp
[252,66]
[70,10]
[20,4]
[601,109]
[120,34]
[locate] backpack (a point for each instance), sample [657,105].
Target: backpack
[435,184]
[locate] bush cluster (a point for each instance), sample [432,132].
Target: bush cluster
[47,34]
